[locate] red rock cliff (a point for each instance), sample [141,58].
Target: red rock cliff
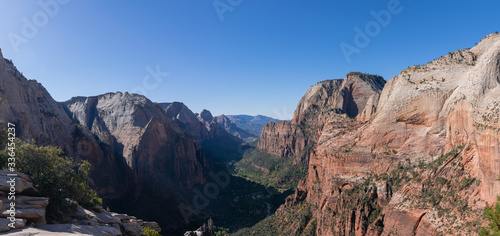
[443,116]
[355,96]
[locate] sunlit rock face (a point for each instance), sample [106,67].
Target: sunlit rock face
[355,97]
[451,103]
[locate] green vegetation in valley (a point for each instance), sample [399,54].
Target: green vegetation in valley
[445,187]
[299,221]
[242,204]
[221,231]
[270,170]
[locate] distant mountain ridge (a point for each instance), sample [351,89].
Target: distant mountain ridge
[251,124]
[233,129]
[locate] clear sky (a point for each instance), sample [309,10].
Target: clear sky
[243,57]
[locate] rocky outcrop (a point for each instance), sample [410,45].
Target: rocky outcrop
[38,117]
[30,208]
[231,128]
[217,143]
[135,149]
[204,230]
[215,130]
[21,207]
[283,139]
[202,126]
[205,116]
[67,229]
[353,97]
[154,147]
[432,139]
[125,224]
[221,145]
[427,110]
[186,119]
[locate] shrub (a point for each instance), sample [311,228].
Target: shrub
[221,231]
[492,215]
[150,232]
[56,177]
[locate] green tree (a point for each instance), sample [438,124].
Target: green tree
[492,215]
[149,232]
[55,176]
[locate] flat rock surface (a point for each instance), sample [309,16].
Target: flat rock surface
[66,229]
[108,218]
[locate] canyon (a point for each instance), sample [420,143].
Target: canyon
[415,155]
[147,157]
[418,157]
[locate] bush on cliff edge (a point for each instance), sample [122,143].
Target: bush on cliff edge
[56,177]
[492,215]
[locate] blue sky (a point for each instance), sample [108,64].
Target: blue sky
[260,59]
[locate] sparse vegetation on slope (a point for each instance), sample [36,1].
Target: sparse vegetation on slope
[444,194]
[492,216]
[270,170]
[295,220]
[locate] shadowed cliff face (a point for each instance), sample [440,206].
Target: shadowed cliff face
[231,128]
[37,116]
[356,97]
[186,119]
[433,136]
[217,142]
[137,151]
[154,147]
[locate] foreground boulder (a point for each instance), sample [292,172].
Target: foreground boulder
[30,211]
[67,229]
[204,230]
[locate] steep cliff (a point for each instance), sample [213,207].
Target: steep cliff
[186,119]
[354,97]
[141,158]
[155,148]
[233,129]
[38,117]
[217,143]
[423,160]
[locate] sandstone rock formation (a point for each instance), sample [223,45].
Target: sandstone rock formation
[204,230]
[186,119]
[423,160]
[231,128]
[136,150]
[153,146]
[355,95]
[164,161]
[216,141]
[38,117]
[30,211]
[29,208]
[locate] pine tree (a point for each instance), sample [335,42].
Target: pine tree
[492,215]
